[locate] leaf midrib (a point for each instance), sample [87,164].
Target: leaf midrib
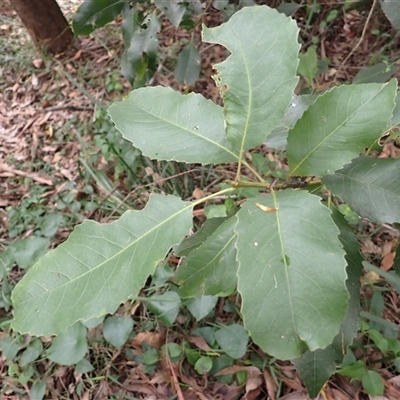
[205,138]
[49,291]
[333,132]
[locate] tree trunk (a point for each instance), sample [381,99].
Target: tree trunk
[45,23]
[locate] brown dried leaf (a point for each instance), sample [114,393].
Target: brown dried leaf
[199,342]
[154,339]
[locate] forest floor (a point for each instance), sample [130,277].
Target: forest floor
[61,162]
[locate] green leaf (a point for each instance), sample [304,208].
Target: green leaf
[378,73]
[278,137]
[392,11]
[291,273]
[258,78]
[98,267]
[38,390]
[70,346]
[165,306]
[395,121]
[9,347]
[215,211]
[27,251]
[83,366]
[49,224]
[288,8]
[31,353]
[350,325]
[167,125]
[315,368]
[194,241]
[371,186]
[203,365]
[93,14]
[150,356]
[355,371]
[373,383]
[162,274]
[338,127]
[308,64]
[380,341]
[144,45]
[201,306]
[211,268]
[116,330]
[188,66]
[173,9]
[130,25]
[233,340]
[174,350]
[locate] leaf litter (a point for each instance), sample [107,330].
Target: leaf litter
[38,100]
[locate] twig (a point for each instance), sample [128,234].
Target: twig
[175,378]
[66,107]
[359,42]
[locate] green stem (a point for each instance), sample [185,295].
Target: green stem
[211,196]
[238,184]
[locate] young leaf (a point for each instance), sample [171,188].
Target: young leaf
[167,125]
[98,267]
[38,390]
[144,46]
[291,273]
[173,9]
[233,340]
[188,65]
[258,78]
[201,306]
[70,346]
[165,306]
[116,330]
[373,383]
[371,186]
[308,64]
[315,368]
[338,127]
[211,268]
[93,14]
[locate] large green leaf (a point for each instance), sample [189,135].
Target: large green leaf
[391,8]
[316,367]
[338,127]
[211,268]
[258,78]
[167,125]
[98,267]
[93,14]
[371,186]
[291,273]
